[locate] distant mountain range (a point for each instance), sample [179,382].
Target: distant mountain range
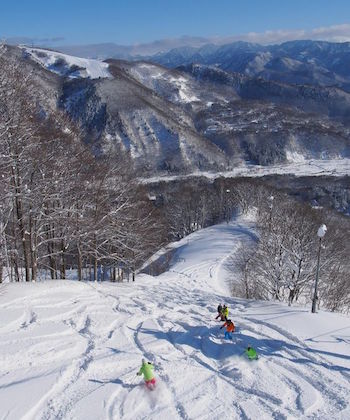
[219,108]
[112,50]
[316,63]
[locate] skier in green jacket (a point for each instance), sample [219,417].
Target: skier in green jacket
[147,371]
[251,353]
[224,313]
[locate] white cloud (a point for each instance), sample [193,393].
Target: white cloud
[335,33]
[16,40]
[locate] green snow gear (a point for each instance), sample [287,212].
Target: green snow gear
[251,353]
[147,371]
[224,313]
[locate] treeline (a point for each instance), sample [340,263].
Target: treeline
[60,206]
[194,203]
[282,264]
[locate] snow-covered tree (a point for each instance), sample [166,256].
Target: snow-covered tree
[60,204]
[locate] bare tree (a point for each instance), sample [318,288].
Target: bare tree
[18,141]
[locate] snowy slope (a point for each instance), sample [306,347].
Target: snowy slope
[175,85]
[314,167]
[71,66]
[71,350]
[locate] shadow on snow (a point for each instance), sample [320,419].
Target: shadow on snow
[206,340]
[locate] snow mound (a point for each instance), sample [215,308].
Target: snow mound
[67,65]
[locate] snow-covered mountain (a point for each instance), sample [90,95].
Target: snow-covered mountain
[295,62]
[67,65]
[72,349]
[261,122]
[196,117]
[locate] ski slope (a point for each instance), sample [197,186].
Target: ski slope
[71,350]
[61,63]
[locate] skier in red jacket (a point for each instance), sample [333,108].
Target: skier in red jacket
[230,328]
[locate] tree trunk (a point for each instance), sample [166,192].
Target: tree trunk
[95,269]
[95,259]
[34,270]
[79,262]
[14,254]
[52,261]
[246,285]
[51,249]
[33,252]
[63,260]
[26,255]
[16,269]
[20,221]
[7,261]
[291,297]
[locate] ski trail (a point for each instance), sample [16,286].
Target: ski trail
[84,344]
[70,387]
[57,407]
[308,393]
[160,370]
[313,391]
[217,371]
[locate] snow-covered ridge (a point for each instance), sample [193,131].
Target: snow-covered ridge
[68,65]
[313,167]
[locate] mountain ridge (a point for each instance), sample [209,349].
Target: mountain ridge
[318,63]
[194,117]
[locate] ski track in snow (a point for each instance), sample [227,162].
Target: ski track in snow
[71,350]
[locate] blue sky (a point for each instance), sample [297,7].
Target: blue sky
[140,21]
